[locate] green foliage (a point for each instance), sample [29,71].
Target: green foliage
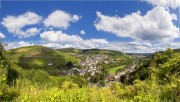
[102,83]
[69,85]
[8,76]
[41,77]
[80,81]
[8,94]
[12,75]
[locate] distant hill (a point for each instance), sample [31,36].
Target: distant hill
[42,56]
[69,50]
[140,54]
[111,53]
[177,50]
[148,54]
[39,55]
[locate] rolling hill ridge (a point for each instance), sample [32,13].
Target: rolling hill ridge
[42,56]
[39,55]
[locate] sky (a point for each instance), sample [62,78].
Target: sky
[133,26]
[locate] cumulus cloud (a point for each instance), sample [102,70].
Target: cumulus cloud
[17,44]
[15,24]
[82,32]
[32,31]
[166,3]
[60,19]
[140,46]
[156,24]
[60,39]
[128,47]
[2,35]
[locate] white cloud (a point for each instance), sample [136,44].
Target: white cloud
[60,19]
[130,47]
[2,35]
[15,24]
[32,32]
[166,3]
[157,24]
[140,46]
[82,32]
[75,18]
[17,44]
[60,39]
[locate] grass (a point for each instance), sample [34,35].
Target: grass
[113,70]
[38,55]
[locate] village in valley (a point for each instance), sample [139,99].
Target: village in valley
[92,64]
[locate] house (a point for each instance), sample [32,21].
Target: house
[110,77]
[50,64]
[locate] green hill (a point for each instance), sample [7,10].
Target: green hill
[111,53]
[39,55]
[69,50]
[177,50]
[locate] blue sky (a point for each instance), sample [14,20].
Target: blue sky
[128,26]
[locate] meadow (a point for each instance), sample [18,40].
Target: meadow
[114,69]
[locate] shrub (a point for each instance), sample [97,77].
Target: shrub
[69,85]
[41,77]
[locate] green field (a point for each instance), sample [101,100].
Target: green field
[113,70]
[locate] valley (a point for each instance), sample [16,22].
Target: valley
[76,71]
[89,51]
[71,61]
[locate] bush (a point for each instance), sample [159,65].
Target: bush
[69,85]
[102,83]
[41,77]
[12,75]
[7,95]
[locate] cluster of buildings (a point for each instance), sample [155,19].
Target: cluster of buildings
[90,63]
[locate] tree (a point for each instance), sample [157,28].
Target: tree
[12,75]
[169,52]
[41,77]
[102,83]
[69,65]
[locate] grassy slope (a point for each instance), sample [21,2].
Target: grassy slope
[39,55]
[111,53]
[69,50]
[113,70]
